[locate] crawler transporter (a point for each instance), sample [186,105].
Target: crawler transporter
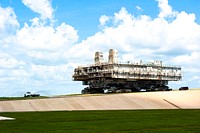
[115,77]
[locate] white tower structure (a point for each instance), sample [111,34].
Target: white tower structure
[98,57]
[113,56]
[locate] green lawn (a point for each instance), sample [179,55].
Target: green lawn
[151,121]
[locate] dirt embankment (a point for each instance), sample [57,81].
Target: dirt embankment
[145,100]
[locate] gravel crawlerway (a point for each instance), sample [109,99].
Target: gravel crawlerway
[189,99]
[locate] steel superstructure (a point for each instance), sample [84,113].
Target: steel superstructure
[113,76]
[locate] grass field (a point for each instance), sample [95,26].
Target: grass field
[20,98]
[150,121]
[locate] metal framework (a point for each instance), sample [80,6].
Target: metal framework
[112,76]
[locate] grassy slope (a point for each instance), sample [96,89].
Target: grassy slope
[20,98]
[103,121]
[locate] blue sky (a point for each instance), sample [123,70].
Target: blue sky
[42,41]
[84,15]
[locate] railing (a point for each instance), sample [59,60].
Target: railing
[140,72]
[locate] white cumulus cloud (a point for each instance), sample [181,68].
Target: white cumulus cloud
[8,21]
[174,41]
[46,37]
[43,55]
[9,62]
[32,55]
[43,7]
[103,19]
[165,9]
[189,60]
[145,35]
